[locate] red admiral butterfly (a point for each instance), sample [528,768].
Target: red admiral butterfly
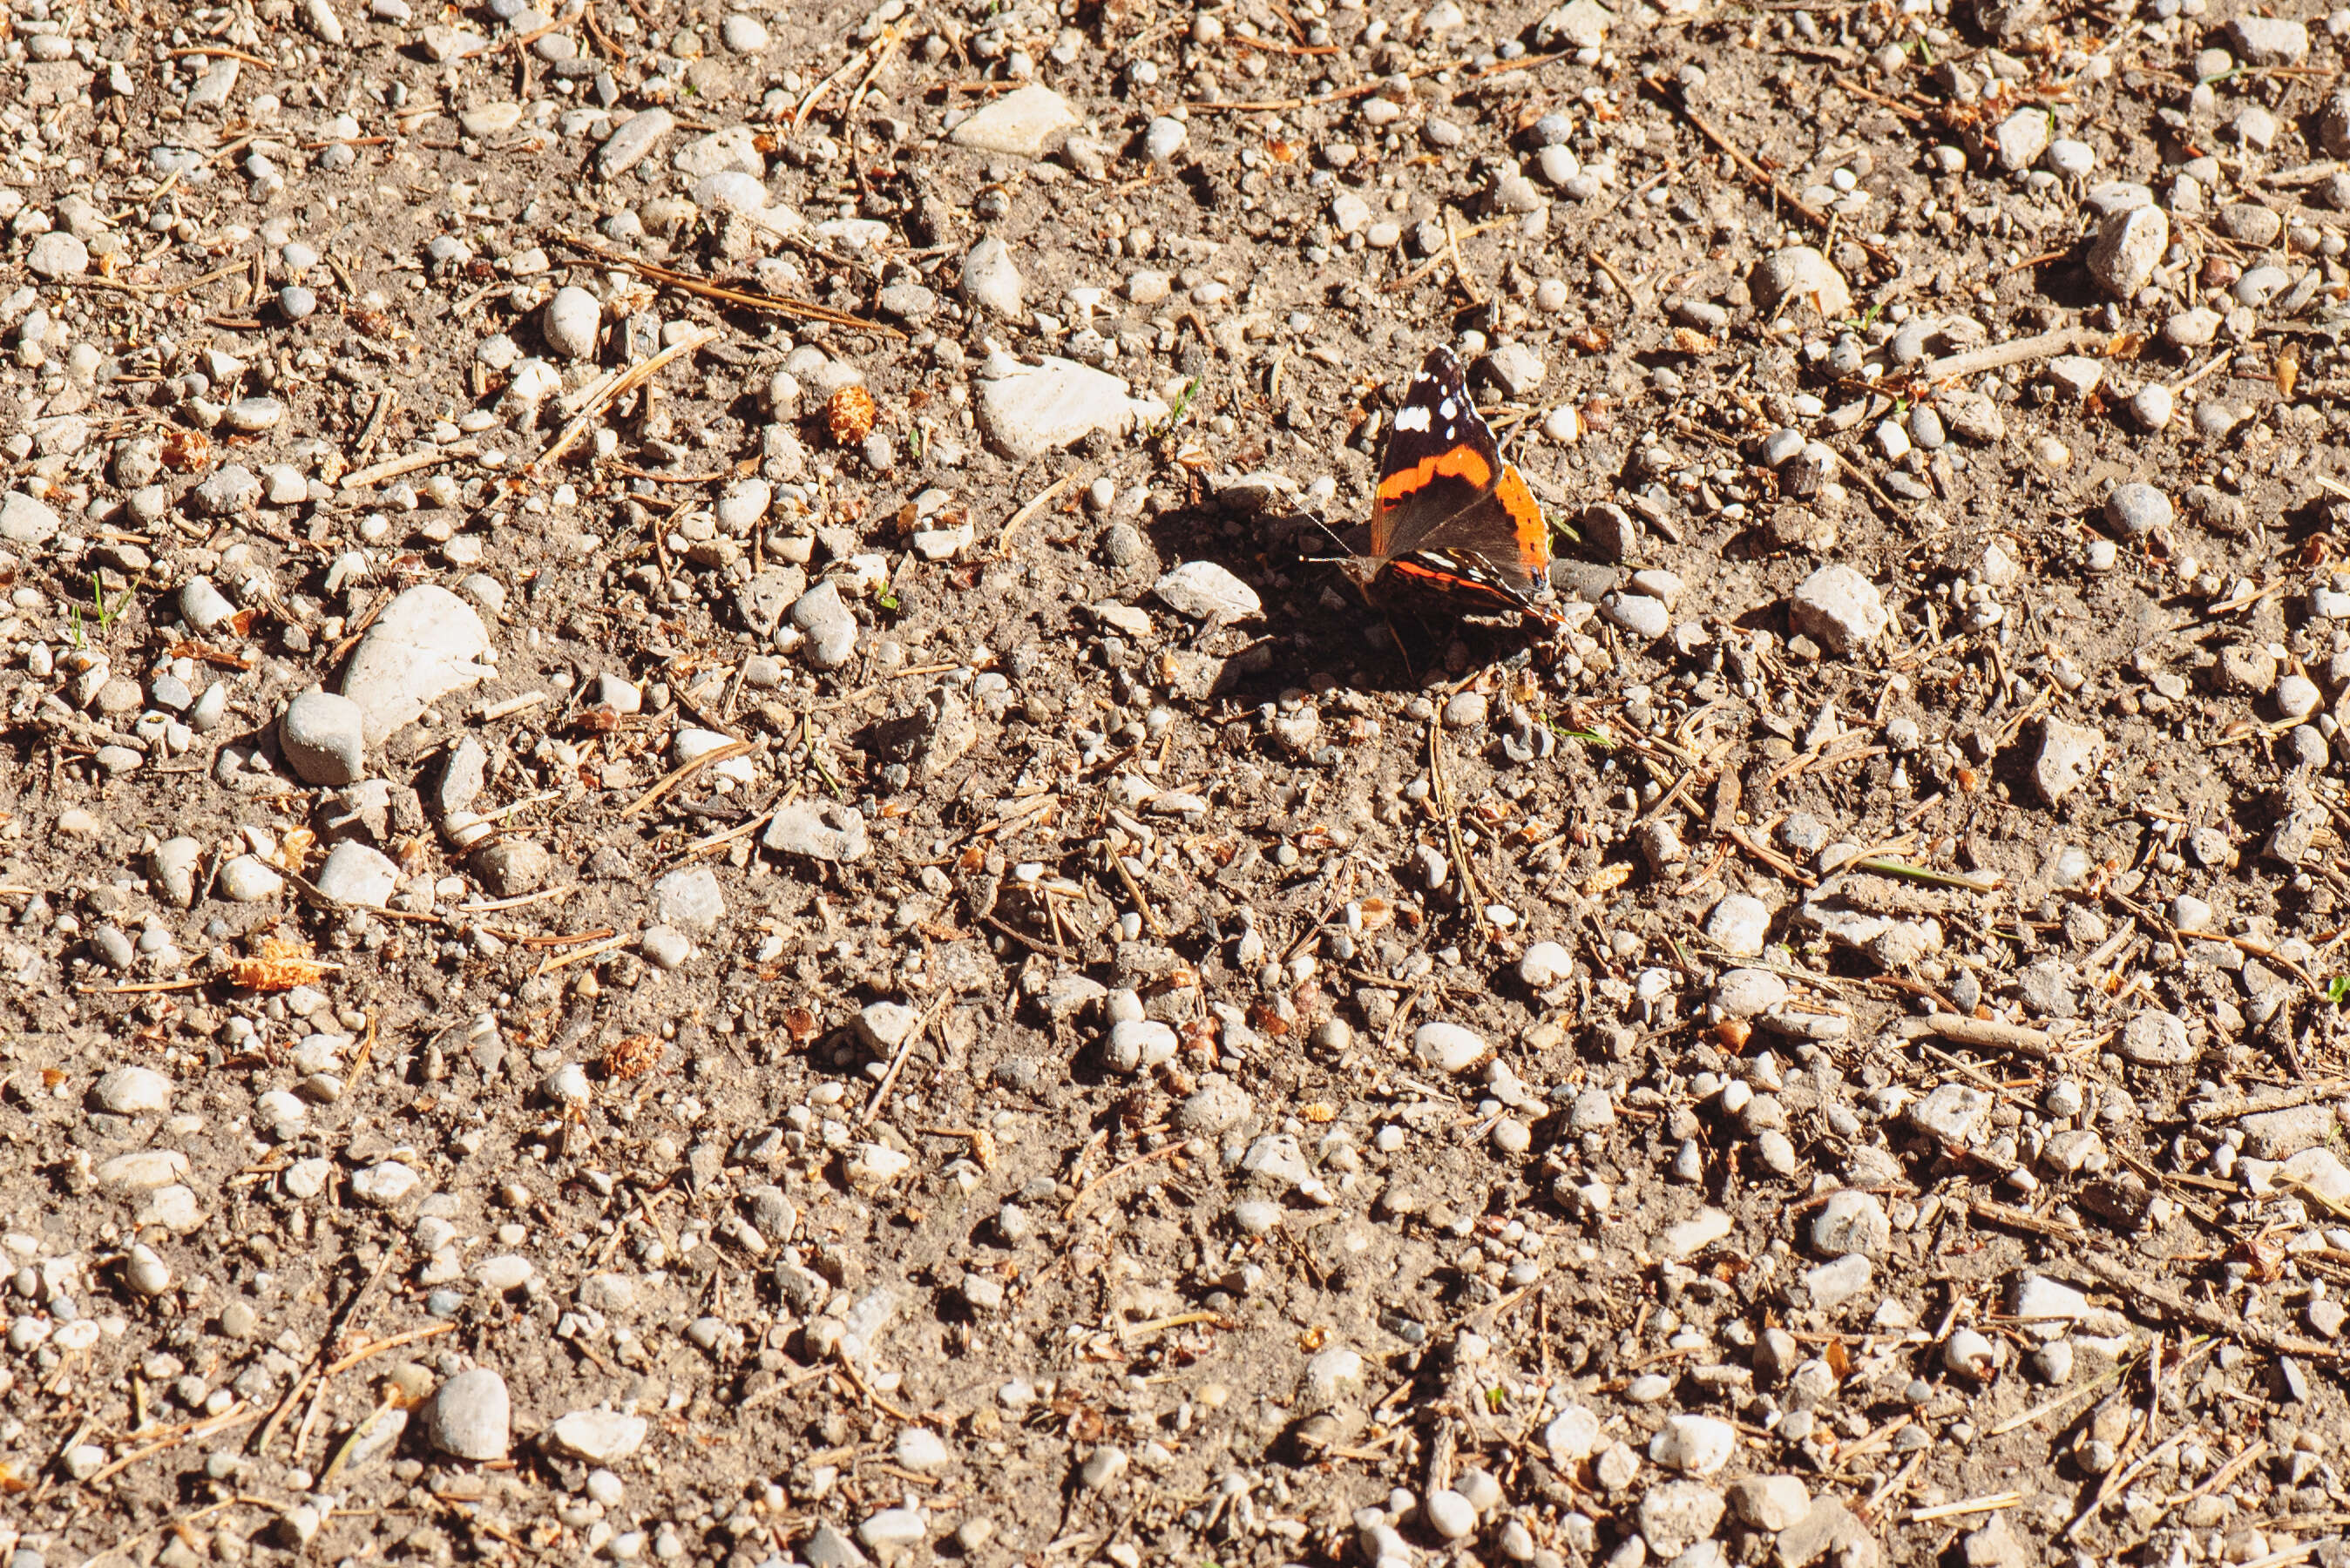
[1453,522]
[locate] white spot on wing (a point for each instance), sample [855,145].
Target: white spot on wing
[1413,416]
[1448,407]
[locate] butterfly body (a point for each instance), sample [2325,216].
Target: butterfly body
[1452,525]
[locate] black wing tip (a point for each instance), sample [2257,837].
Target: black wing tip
[1441,361]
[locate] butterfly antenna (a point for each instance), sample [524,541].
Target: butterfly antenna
[1315,517]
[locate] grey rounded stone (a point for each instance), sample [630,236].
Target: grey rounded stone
[2135,510]
[570,322]
[908,302]
[251,416]
[1545,964]
[665,946]
[134,1092]
[1217,1106]
[323,739]
[2129,244]
[359,874]
[831,628]
[58,254]
[568,1085]
[425,645]
[991,281]
[690,899]
[512,866]
[1802,274]
[1204,591]
[1164,138]
[472,1416]
[1637,614]
[247,879]
[2215,419]
[1849,1223]
[1740,925]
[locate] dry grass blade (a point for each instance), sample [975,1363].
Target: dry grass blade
[636,376]
[683,771]
[668,278]
[409,462]
[1035,504]
[235,1416]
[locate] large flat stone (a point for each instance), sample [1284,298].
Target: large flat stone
[1023,124]
[425,645]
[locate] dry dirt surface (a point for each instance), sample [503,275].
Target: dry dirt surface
[702,863]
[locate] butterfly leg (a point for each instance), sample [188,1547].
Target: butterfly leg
[1403,651]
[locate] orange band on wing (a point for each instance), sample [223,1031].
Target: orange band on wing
[1525,512]
[1463,462]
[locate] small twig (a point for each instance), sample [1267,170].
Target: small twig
[2258,950]
[580,955]
[1042,499]
[1892,1485]
[235,1415]
[1988,1032]
[1754,171]
[1443,793]
[1180,1320]
[636,374]
[1931,878]
[1459,266]
[2219,362]
[2231,1110]
[843,1369]
[491,713]
[889,40]
[318,1359]
[2217,1480]
[777,303]
[2056,1402]
[383,406]
[361,1057]
[635,473]
[2141,1291]
[2007,1214]
[1141,902]
[367,1352]
[905,1048]
[2015,351]
[1772,859]
[408,463]
[682,772]
[1165,1152]
[1451,253]
[144,290]
[1613,277]
[218,53]
[815,93]
[1025,940]
[1992,1504]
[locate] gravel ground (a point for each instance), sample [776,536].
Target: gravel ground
[701,861]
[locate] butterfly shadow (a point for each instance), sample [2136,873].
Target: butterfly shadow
[1391,647]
